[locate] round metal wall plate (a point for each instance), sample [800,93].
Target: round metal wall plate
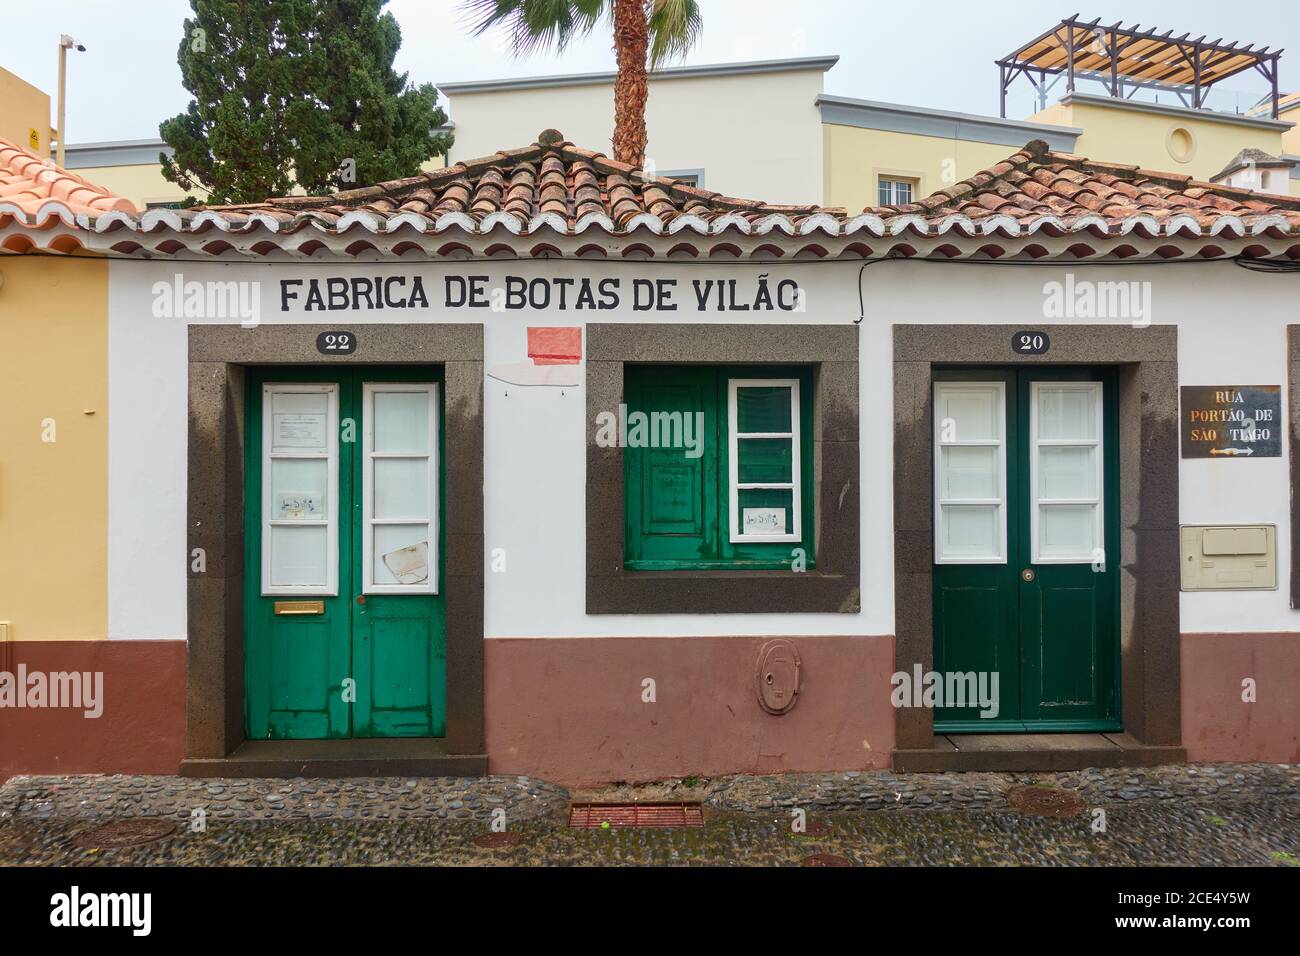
[131,832]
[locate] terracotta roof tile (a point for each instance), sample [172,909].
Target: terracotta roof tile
[1043,182]
[31,183]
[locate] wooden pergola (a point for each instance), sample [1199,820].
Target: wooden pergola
[1130,58]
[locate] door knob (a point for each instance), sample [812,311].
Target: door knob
[1027,575]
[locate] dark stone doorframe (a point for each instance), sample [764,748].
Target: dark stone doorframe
[1147,362]
[218,356]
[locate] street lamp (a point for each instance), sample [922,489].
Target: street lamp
[66,43]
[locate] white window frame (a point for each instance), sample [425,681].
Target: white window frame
[1000,442]
[369,456]
[735,486]
[1098,500]
[331,519]
[893,182]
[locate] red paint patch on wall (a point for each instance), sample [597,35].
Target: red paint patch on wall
[552,345]
[141,729]
[570,710]
[1218,726]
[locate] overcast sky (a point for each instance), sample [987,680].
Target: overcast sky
[936,53]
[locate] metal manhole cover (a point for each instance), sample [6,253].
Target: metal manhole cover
[587,816]
[826,859]
[125,833]
[493,841]
[1045,801]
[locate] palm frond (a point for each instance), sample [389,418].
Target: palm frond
[674,27]
[534,26]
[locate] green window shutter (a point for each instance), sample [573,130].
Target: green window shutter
[671,491]
[678,504]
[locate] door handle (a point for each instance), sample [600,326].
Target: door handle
[1027,575]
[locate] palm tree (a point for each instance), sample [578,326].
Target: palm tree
[646,34]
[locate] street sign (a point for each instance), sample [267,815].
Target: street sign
[1231,421]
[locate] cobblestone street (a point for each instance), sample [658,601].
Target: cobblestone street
[1209,815]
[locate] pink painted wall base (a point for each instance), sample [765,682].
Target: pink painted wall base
[1218,725]
[571,710]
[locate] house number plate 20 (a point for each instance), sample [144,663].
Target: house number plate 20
[336,343]
[1030,343]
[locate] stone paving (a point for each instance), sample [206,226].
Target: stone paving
[1238,815]
[92,797]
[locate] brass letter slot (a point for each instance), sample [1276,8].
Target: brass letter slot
[299,607]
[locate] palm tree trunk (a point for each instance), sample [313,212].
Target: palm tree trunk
[631,43]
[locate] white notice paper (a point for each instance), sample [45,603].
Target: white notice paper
[762,521]
[299,504]
[300,430]
[410,565]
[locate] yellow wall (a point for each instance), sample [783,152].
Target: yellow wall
[853,159]
[1120,135]
[24,108]
[54,495]
[140,184]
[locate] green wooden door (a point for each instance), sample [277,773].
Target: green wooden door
[1026,527]
[344,620]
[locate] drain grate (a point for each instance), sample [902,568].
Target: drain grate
[497,840]
[586,816]
[125,833]
[1045,801]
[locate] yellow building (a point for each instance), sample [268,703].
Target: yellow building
[24,113]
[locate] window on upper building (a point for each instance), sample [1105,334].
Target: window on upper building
[718,466]
[896,192]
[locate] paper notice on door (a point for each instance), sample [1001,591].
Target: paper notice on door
[300,430]
[410,565]
[763,521]
[299,504]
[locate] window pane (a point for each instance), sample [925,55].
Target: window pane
[765,511]
[1067,471]
[764,460]
[886,196]
[975,414]
[970,531]
[1067,413]
[298,488]
[970,472]
[401,487]
[299,556]
[764,408]
[401,421]
[1066,531]
[401,553]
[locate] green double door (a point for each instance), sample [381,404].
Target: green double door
[344,623]
[1026,549]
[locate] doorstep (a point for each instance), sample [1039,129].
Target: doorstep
[1033,752]
[390,757]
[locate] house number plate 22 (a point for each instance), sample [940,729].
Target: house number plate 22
[336,343]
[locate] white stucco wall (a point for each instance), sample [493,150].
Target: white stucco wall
[1231,331]
[756,136]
